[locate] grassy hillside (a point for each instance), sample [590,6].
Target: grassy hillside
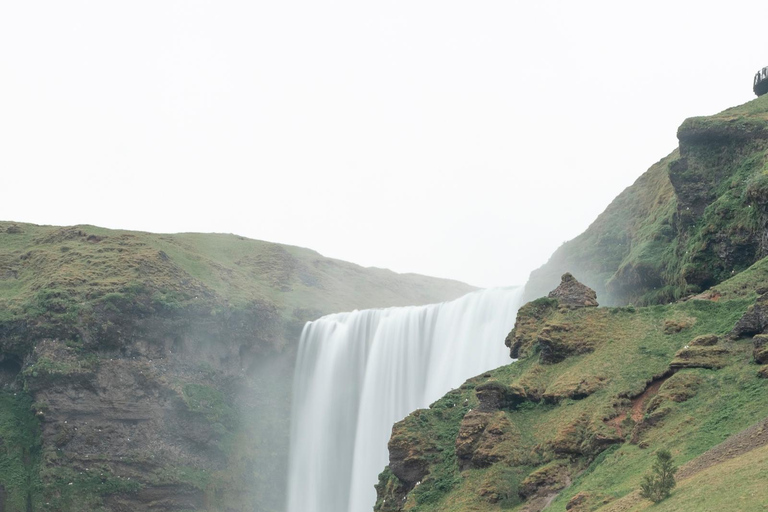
[679,365]
[576,421]
[81,265]
[141,371]
[693,220]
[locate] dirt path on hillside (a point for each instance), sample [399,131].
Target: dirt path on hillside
[637,407]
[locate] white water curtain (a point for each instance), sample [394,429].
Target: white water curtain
[358,373]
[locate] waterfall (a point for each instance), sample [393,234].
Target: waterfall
[358,373]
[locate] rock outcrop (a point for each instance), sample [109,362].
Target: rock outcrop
[705,340]
[407,460]
[754,321]
[711,357]
[693,220]
[538,327]
[571,294]
[760,352]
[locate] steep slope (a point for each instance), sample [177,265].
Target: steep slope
[574,424]
[694,219]
[152,372]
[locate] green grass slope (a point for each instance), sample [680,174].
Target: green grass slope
[81,265]
[574,424]
[736,484]
[693,220]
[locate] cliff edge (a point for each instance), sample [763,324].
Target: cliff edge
[694,219]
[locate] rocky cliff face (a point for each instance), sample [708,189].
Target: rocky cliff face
[147,372]
[695,219]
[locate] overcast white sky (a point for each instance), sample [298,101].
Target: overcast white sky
[458,139]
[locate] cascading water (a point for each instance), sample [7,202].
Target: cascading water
[358,373]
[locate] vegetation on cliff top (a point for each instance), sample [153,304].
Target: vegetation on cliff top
[693,220]
[55,280]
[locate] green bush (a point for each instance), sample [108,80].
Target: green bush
[658,484]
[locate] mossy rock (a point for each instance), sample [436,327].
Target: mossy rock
[574,389]
[547,479]
[700,357]
[675,325]
[760,352]
[530,316]
[679,388]
[556,343]
[705,340]
[485,439]
[494,395]
[582,437]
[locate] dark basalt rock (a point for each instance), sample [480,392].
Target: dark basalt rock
[408,459]
[571,294]
[754,321]
[761,348]
[494,396]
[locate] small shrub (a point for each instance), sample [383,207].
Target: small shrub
[658,484]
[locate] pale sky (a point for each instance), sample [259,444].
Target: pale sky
[458,139]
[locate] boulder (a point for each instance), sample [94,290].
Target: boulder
[754,321]
[711,357]
[705,340]
[494,395]
[761,348]
[571,294]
